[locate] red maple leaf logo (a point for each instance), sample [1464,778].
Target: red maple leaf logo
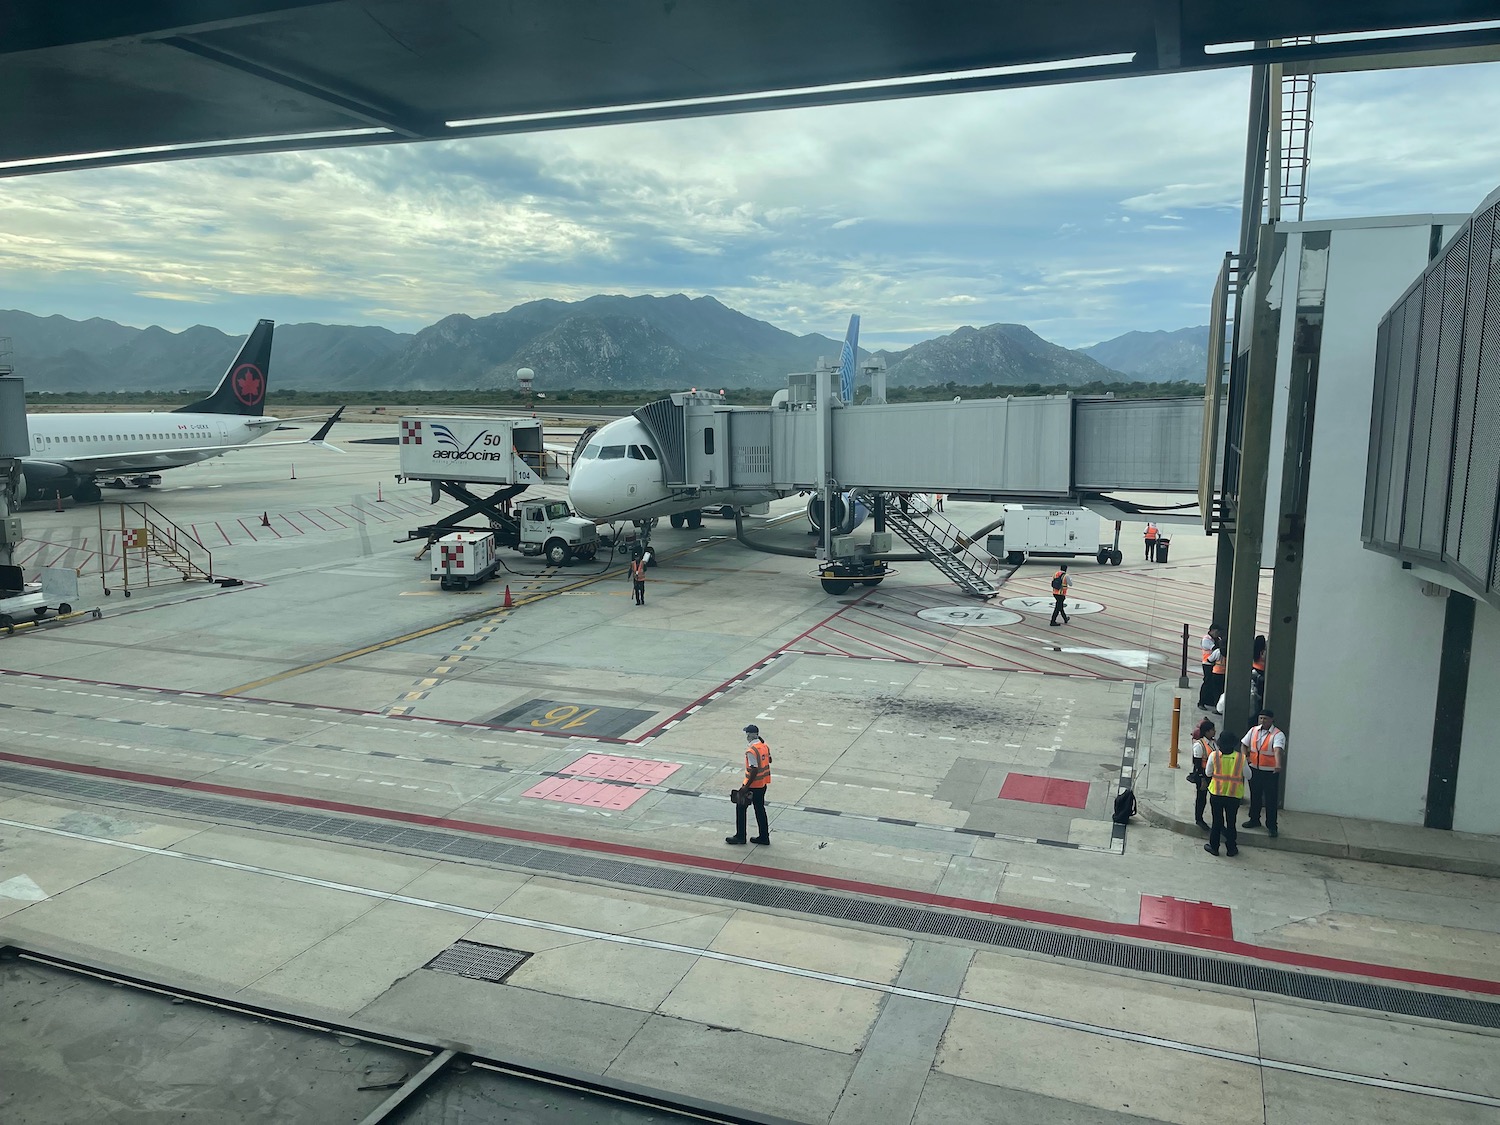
[248,383]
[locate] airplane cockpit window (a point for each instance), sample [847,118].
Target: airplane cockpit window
[589,452]
[558,511]
[636,454]
[649,452]
[612,453]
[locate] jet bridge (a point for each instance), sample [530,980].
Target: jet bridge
[1054,448]
[1058,448]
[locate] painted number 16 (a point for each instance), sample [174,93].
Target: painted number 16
[564,718]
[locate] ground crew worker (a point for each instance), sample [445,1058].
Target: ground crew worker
[1267,746]
[1226,789]
[1153,533]
[638,577]
[1212,686]
[757,779]
[1060,584]
[1213,682]
[1204,735]
[1258,677]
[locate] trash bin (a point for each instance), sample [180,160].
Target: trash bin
[1161,549]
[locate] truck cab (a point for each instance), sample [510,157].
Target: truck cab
[549,527]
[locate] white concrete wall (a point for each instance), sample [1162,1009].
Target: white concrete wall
[1368,641]
[1477,806]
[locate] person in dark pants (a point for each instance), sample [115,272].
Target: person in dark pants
[757,780]
[1226,789]
[1265,746]
[638,577]
[1153,533]
[1213,683]
[1204,735]
[1060,584]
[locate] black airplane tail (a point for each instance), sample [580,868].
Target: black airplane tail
[243,388]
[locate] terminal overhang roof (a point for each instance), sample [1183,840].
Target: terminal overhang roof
[106,81]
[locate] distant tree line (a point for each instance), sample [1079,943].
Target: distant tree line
[751,396]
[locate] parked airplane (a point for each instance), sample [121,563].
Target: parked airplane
[617,475]
[71,452]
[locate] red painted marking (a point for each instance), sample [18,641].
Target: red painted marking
[1045,790]
[247,532]
[595,794]
[308,517]
[1186,917]
[1136,932]
[615,768]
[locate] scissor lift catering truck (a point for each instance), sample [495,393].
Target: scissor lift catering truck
[507,456]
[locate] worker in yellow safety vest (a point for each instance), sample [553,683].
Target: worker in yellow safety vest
[1227,772]
[1267,748]
[753,792]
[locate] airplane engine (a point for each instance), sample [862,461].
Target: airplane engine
[40,479]
[848,512]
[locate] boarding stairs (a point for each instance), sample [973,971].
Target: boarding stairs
[148,540]
[957,557]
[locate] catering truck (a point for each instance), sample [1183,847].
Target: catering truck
[507,456]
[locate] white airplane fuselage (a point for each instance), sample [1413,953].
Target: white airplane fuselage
[618,477]
[142,442]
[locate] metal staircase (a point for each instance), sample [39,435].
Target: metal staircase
[958,558]
[145,539]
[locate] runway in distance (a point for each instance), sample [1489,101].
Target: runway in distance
[71,452]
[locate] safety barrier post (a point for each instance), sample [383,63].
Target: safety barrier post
[1182,680]
[1176,725]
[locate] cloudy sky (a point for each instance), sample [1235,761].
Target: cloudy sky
[1082,211]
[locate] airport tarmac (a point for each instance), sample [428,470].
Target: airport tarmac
[301,790]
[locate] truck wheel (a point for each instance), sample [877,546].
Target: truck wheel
[695,520]
[678,520]
[40,611]
[558,553]
[1015,558]
[836,586]
[1102,558]
[727,512]
[64,609]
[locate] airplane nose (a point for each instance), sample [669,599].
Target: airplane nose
[589,491]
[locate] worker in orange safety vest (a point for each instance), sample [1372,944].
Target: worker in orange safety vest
[757,780]
[1266,746]
[638,577]
[1213,681]
[1153,533]
[1060,584]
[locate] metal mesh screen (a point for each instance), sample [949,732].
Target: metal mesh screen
[1418,467]
[1480,243]
[1455,299]
[1374,497]
[1405,390]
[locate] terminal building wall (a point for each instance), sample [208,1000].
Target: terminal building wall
[1370,633]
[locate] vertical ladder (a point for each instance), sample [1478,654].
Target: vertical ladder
[955,555]
[1296,132]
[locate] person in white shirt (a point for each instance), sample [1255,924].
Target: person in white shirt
[1265,747]
[1204,735]
[1228,769]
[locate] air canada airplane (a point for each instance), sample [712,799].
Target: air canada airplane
[618,476]
[70,453]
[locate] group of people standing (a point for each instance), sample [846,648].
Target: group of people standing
[1223,770]
[1211,691]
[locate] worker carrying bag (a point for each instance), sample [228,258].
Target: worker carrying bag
[740,796]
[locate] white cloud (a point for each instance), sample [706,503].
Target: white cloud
[1083,211]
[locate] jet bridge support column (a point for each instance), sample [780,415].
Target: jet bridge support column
[1250,510]
[824,392]
[15,444]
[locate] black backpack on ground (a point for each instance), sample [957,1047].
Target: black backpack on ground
[1125,806]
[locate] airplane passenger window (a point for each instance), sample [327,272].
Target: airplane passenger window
[612,453]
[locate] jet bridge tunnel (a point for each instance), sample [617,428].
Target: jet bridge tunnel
[1056,448]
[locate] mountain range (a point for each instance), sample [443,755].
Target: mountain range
[613,342]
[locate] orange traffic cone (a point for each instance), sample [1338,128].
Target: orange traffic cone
[508,603]
[265,519]
[294,472]
[58,508]
[379,493]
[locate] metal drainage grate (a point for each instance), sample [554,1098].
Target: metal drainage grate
[477,961]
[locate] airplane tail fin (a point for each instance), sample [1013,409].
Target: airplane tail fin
[243,388]
[849,359]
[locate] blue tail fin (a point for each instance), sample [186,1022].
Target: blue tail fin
[849,359]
